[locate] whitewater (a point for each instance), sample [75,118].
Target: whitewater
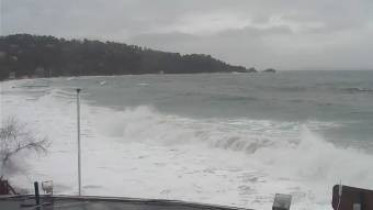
[231,139]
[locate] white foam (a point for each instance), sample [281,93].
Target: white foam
[140,152]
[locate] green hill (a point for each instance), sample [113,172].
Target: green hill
[48,56]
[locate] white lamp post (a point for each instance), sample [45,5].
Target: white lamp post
[79,155]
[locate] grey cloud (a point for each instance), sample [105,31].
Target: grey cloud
[289,34]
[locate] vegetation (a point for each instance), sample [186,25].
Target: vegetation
[14,138]
[47,56]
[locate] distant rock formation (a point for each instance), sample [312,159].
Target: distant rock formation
[252,70]
[270,70]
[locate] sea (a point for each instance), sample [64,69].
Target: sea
[227,138]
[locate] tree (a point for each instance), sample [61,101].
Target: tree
[24,53]
[14,138]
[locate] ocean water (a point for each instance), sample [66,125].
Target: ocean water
[232,139]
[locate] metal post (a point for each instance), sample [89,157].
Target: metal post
[79,155]
[37,195]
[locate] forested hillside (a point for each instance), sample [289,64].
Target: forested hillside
[48,56]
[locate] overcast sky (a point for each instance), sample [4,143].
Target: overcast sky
[292,34]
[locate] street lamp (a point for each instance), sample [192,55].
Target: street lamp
[78,126]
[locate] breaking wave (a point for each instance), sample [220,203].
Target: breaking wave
[291,145]
[283,150]
[357,90]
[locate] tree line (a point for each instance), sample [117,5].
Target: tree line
[25,55]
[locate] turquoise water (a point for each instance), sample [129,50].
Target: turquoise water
[344,98]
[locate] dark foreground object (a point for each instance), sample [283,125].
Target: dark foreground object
[352,198]
[95,203]
[281,202]
[5,188]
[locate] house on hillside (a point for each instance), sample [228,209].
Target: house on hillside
[12,75]
[39,72]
